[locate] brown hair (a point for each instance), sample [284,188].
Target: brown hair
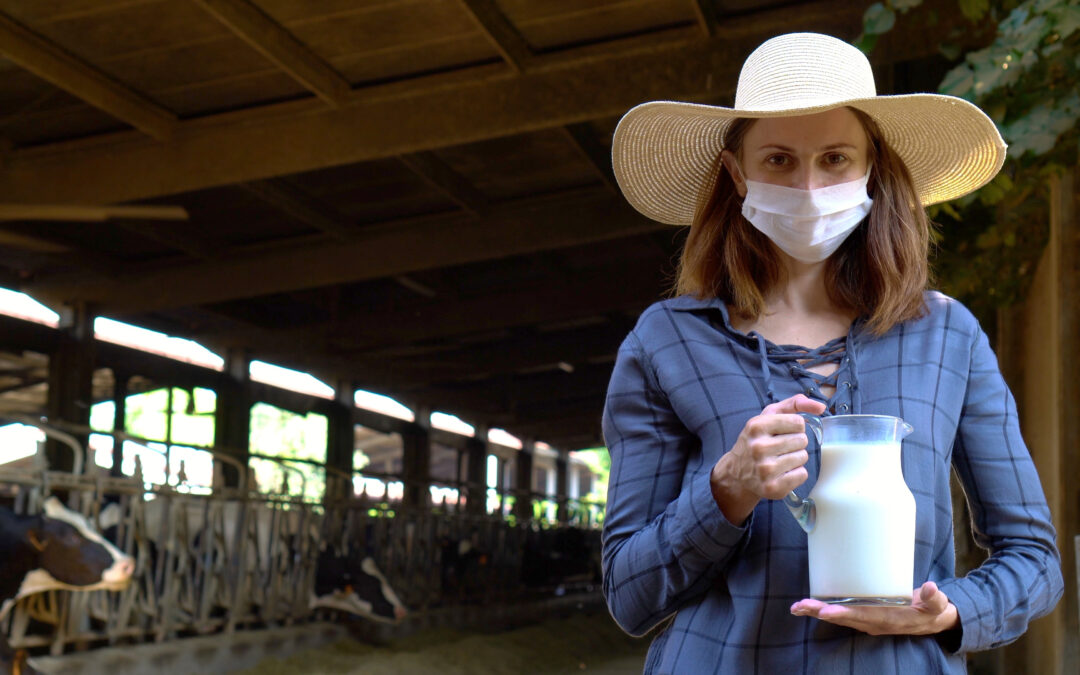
[879,272]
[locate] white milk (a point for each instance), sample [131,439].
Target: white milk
[863,543]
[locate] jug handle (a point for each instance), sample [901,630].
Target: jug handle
[803,509]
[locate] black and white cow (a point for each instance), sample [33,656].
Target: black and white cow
[348,583]
[354,584]
[56,549]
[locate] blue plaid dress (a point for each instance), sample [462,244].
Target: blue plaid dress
[684,384]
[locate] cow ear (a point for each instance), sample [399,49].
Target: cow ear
[36,541]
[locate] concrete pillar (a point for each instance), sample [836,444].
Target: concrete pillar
[523,497]
[562,482]
[416,464]
[476,452]
[232,417]
[340,442]
[71,373]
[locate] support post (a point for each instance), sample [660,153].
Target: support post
[120,390]
[476,449]
[523,502]
[232,416]
[1038,342]
[562,482]
[416,461]
[71,374]
[340,442]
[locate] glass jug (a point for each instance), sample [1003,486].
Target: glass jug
[860,515]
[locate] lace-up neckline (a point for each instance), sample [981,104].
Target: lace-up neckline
[799,360]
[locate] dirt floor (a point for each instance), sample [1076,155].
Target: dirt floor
[583,643]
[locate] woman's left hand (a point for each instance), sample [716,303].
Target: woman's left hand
[930,612]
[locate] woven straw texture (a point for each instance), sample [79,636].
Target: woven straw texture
[664,152]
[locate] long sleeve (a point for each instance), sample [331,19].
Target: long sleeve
[1021,580]
[664,540]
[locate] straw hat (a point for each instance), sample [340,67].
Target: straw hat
[663,152]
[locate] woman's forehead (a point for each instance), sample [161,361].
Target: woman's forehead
[818,132]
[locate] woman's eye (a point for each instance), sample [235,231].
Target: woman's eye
[776,160]
[835,159]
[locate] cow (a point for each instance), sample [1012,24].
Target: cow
[56,549]
[464,567]
[348,583]
[560,558]
[354,584]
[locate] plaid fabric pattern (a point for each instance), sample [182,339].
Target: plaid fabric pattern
[684,384]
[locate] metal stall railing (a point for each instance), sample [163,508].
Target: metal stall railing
[237,559]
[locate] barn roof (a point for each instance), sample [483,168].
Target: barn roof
[414,196]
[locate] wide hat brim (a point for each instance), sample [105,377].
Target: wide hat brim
[664,152]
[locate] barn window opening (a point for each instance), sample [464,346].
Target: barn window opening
[288,451]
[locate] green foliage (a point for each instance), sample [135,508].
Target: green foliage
[1026,80]
[280,433]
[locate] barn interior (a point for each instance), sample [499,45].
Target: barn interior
[408,197]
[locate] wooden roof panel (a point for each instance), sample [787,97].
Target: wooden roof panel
[387,26]
[298,12]
[515,166]
[562,23]
[238,217]
[63,10]
[371,192]
[32,126]
[436,54]
[209,97]
[129,29]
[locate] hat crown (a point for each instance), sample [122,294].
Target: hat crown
[802,70]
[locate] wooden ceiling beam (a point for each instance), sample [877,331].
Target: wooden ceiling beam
[70,73]
[523,355]
[605,290]
[566,87]
[376,251]
[437,174]
[593,151]
[281,47]
[705,11]
[178,238]
[297,203]
[500,32]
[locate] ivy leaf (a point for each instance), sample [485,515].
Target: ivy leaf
[878,19]
[1066,20]
[865,42]
[950,51]
[960,81]
[904,5]
[950,210]
[1013,23]
[974,10]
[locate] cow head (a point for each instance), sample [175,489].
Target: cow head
[72,555]
[359,589]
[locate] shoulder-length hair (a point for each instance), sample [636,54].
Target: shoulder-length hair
[879,272]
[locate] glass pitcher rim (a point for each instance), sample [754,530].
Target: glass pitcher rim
[862,415]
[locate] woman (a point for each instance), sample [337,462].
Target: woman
[806,204]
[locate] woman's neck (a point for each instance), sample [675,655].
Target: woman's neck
[799,310]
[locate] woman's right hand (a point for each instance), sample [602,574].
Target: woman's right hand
[767,460]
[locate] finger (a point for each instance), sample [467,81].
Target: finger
[776,424]
[796,404]
[932,599]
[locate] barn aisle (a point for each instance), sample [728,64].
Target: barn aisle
[582,643]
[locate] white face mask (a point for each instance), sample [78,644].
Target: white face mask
[808,225]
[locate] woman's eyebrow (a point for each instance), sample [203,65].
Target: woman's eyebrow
[824,148]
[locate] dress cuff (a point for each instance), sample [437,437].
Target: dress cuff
[963,638]
[710,533]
